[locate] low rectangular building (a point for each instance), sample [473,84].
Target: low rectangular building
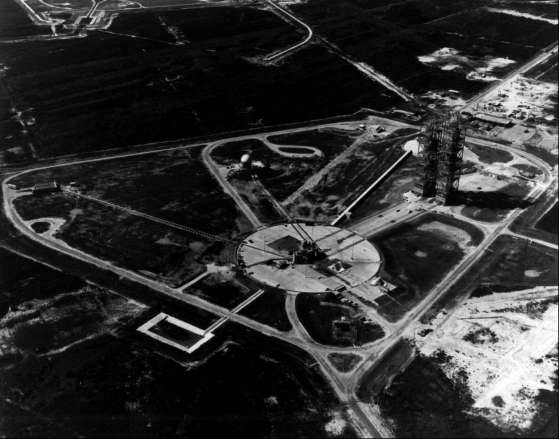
[501,121]
[46,188]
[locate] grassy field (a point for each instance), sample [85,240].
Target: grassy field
[392,190]
[44,309]
[264,389]
[128,241]
[270,388]
[22,280]
[348,178]
[175,186]
[493,206]
[532,221]
[344,362]
[391,37]
[510,264]
[491,155]
[15,23]
[418,255]
[112,90]
[330,142]
[517,264]
[546,71]
[377,378]
[280,175]
[269,309]
[13,145]
[548,222]
[320,312]
[423,402]
[237,25]
[223,289]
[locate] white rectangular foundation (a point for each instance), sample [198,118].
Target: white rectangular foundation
[146,329]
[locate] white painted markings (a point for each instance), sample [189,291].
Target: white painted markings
[204,334]
[146,328]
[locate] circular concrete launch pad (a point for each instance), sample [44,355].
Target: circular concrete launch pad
[282,256]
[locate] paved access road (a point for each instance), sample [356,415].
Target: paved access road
[539,58]
[306,28]
[366,417]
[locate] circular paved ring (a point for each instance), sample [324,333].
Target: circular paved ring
[266,256]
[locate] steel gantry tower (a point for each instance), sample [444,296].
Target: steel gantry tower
[450,160]
[430,140]
[442,143]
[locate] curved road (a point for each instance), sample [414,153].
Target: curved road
[368,420]
[309,33]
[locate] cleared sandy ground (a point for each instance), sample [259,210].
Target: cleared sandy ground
[507,345]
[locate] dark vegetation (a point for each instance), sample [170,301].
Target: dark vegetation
[108,280]
[547,420]
[350,176]
[252,386]
[15,23]
[361,168]
[41,326]
[330,142]
[528,222]
[331,322]
[481,336]
[490,155]
[174,185]
[261,32]
[129,241]
[258,198]
[344,362]
[40,226]
[390,37]
[544,154]
[281,175]
[546,71]
[416,260]
[15,422]
[223,289]
[527,170]
[44,309]
[548,222]
[13,145]
[269,309]
[501,269]
[376,379]
[175,333]
[533,309]
[423,402]
[514,264]
[45,205]
[109,90]
[493,206]
[392,190]
[22,280]
[551,75]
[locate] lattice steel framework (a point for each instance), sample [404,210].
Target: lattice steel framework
[450,160]
[442,142]
[430,139]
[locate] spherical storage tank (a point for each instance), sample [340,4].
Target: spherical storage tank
[245,160]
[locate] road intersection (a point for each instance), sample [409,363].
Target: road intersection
[345,385]
[366,416]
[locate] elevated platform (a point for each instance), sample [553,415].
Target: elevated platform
[347,260]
